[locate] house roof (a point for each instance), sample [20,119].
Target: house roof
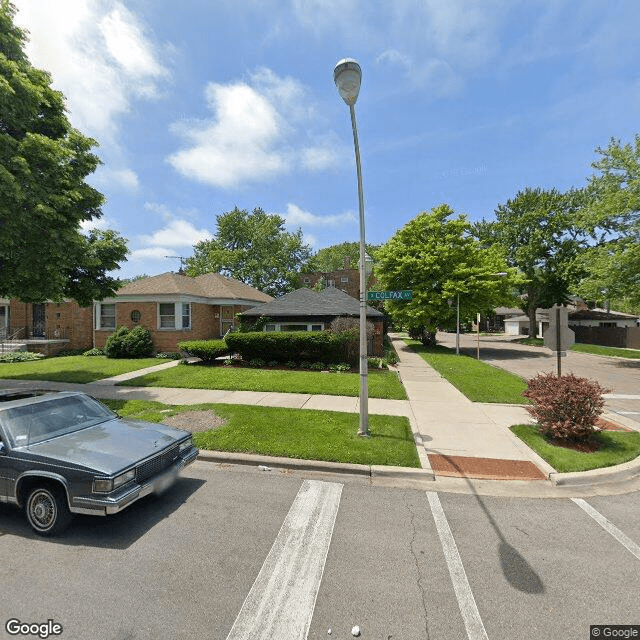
[208,285]
[591,314]
[305,302]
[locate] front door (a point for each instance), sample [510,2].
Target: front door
[38,321]
[227,319]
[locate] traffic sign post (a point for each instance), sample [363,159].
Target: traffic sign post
[558,337]
[389,295]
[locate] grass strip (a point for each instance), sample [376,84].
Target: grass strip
[291,433]
[479,381]
[599,350]
[79,369]
[382,384]
[617,447]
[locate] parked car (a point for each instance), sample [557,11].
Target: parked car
[65,453]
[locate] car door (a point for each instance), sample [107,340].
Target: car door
[4,470]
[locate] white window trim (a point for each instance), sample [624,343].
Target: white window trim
[304,326]
[99,306]
[177,317]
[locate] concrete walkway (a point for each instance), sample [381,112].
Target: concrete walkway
[455,438]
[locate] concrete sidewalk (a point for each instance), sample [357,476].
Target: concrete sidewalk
[455,438]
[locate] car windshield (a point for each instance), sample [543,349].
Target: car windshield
[38,421]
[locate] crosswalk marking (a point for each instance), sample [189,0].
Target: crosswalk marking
[466,602]
[282,599]
[610,528]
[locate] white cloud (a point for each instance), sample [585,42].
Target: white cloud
[98,54]
[177,233]
[97,223]
[255,134]
[150,253]
[119,178]
[297,217]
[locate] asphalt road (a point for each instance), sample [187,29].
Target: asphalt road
[620,375]
[236,553]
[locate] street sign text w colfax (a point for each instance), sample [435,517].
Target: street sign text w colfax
[389,295]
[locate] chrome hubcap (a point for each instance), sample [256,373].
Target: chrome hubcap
[42,510]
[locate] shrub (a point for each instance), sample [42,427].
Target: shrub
[258,363]
[566,407]
[317,366]
[129,343]
[273,363]
[20,356]
[94,352]
[207,350]
[290,364]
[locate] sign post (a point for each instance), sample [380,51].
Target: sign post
[558,337]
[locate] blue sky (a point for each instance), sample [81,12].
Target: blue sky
[203,105]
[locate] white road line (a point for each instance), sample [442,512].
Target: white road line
[466,602]
[625,541]
[282,599]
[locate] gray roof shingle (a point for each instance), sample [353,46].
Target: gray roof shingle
[305,302]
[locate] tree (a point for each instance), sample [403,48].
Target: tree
[438,259]
[43,194]
[540,233]
[613,217]
[254,248]
[333,258]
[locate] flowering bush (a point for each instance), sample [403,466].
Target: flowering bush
[566,407]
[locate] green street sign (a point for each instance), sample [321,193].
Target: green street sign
[389,295]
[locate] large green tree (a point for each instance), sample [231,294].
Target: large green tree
[612,215]
[435,256]
[333,258]
[254,248]
[540,233]
[43,194]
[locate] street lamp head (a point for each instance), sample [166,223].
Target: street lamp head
[347,76]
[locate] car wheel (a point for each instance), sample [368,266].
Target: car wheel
[47,510]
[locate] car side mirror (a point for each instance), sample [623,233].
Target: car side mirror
[2,449]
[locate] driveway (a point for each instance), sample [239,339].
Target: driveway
[621,375]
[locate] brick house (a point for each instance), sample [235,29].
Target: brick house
[47,327]
[175,307]
[307,310]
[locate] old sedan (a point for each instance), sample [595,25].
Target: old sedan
[66,453]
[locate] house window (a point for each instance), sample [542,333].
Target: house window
[107,316]
[331,283]
[608,324]
[306,280]
[174,315]
[135,316]
[343,279]
[293,326]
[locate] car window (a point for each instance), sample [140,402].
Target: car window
[38,421]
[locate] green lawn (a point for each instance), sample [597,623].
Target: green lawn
[382,384]
[79,369]
[618,447]
[292,433]
[479,381]
[605,351]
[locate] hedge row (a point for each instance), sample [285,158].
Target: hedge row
[315,346]
[206,350]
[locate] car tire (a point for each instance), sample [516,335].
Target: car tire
[47,510]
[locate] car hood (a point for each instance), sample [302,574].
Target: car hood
[110,446]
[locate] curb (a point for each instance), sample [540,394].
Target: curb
[621,472]
[268,462]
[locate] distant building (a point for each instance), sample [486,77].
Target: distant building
[347,279]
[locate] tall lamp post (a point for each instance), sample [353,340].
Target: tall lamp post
[347,75]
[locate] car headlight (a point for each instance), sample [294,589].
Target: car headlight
[186,445]
[104,485]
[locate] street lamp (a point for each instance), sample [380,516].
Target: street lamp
[500,274]
[347,75]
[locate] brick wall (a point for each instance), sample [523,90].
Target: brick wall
[204,324]
[352,286]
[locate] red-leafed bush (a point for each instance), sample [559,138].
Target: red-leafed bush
[567,407]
